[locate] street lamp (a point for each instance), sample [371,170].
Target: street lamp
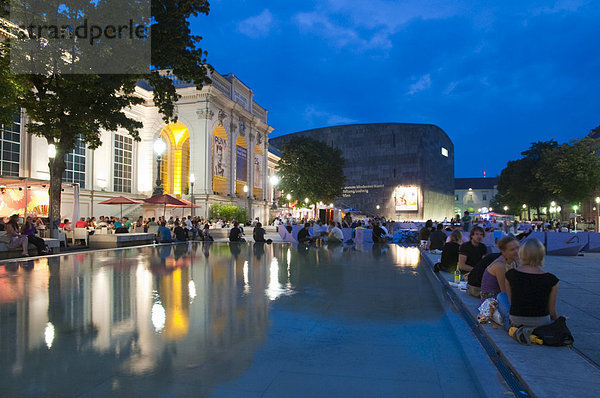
[306,200]
[274,181]
[159,149]
[575,207]
[51,215]
[377,207]
[505,208]
[192,181]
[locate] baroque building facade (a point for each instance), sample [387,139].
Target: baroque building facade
[217,152]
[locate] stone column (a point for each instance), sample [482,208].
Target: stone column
[232,137]
[201,151]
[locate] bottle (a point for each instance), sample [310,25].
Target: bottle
[457,276]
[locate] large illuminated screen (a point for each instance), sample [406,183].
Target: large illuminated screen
[406,198]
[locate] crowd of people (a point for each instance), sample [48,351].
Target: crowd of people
[525,293]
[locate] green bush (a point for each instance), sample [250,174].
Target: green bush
[227,212]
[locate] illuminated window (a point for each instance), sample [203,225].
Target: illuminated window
[75,161]
[123,163]
[444,152]
[10,142]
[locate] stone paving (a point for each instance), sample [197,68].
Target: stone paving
[559,371]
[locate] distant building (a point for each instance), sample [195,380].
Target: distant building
[398,170]
[474,194]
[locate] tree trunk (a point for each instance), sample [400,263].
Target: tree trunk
[57,167]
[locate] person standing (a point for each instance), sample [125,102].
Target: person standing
[466,222]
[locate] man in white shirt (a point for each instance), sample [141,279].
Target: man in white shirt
[335,234]
[318,230]
[190,227]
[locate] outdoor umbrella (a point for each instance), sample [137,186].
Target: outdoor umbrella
[165,200]
[188,204]
[120,200]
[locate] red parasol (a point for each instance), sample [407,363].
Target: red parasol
[188,204]
[120,200]
[165,199]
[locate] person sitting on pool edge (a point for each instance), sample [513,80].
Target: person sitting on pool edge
[449,260]
[180,233]
[378,233]
[531,292]
[259,234]
[304,236]
[235,234]
[472,251]
[164,233]
[437,238]
[335,234]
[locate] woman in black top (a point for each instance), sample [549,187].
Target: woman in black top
[235,234]
[531,291]
[449,258]
[259,234]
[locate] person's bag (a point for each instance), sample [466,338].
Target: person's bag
[555,334]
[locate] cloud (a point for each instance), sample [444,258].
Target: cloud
[322,118]
[420,85]
[257,26]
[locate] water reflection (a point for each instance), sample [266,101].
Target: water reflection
[139,319]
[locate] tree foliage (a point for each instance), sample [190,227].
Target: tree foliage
[63,107]
[566,173]
[310,169]
[571,172]
[520,183]
[227,212]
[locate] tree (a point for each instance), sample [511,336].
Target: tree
[310,169]
[571,172]
[520,182]
[66,107]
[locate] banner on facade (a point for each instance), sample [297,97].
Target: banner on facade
[406,198]
[12,201]
[241,165]
[220,157]
[258,172]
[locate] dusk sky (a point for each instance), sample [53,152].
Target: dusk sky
[495,76]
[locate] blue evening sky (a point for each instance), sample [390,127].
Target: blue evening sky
[494,75]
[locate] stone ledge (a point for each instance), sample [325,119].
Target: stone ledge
[105,241]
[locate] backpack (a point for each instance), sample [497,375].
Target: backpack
[555,334]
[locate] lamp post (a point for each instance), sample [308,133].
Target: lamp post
[51,216]
[575,207]
[159,149]
[524,209]
[192,181]
[274,181]
[597,200]
[246,201]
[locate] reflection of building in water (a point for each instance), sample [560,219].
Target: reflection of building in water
[109,300]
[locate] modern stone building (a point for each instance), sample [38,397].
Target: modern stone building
[405,169]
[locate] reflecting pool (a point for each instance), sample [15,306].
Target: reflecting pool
[218,319]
